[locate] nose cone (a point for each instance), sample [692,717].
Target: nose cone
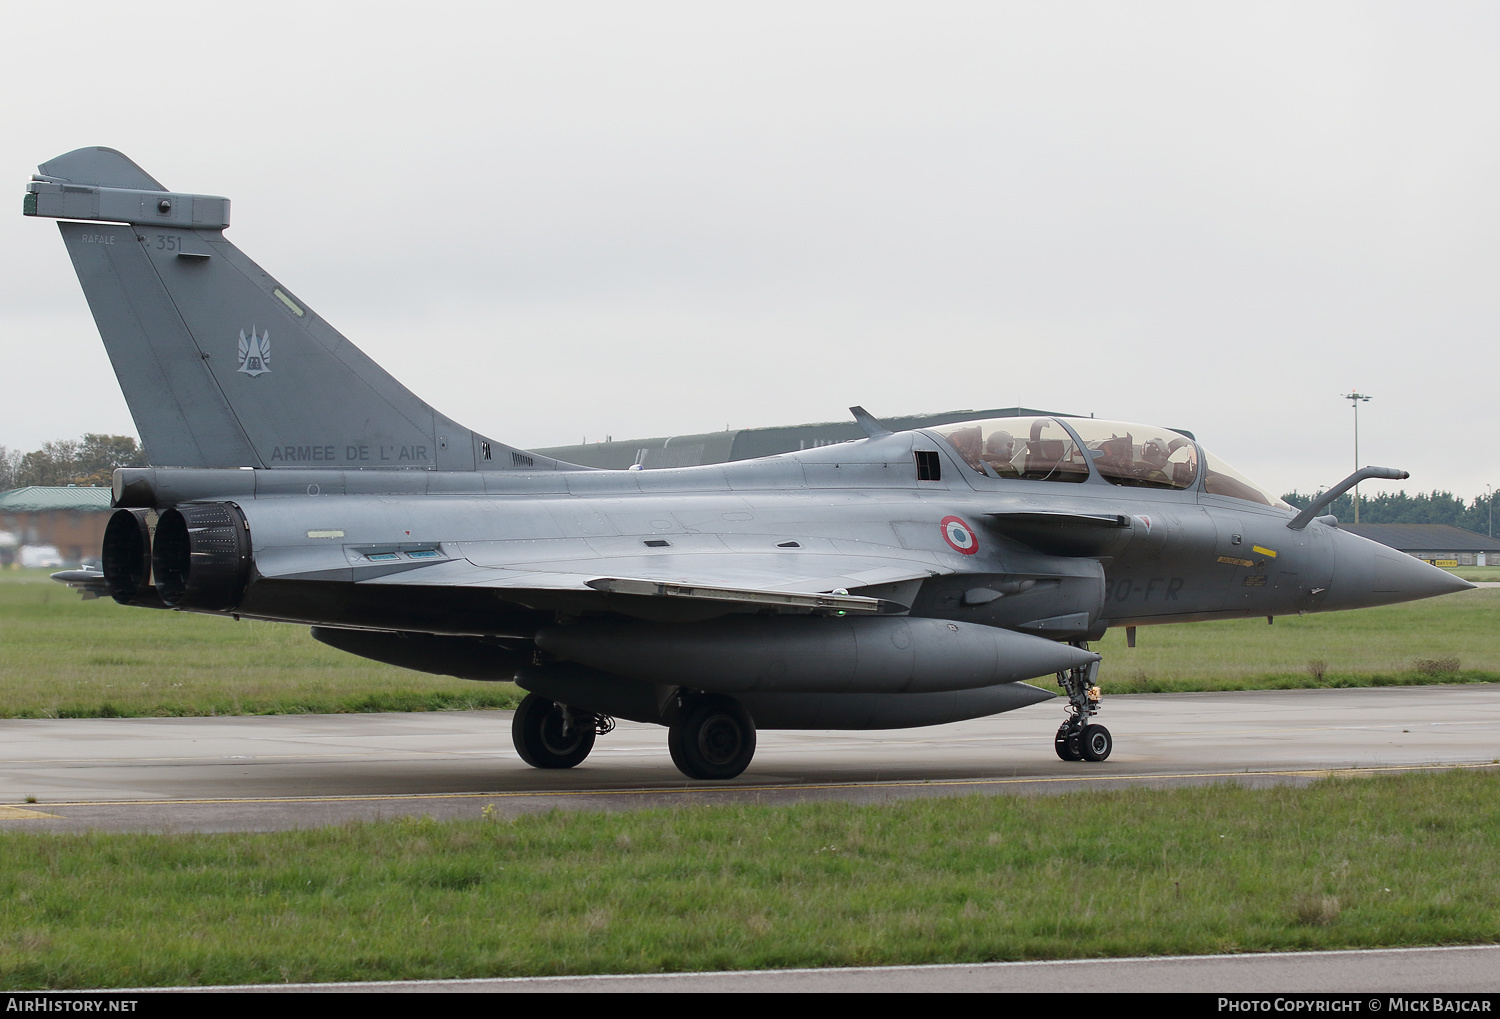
[1367,573]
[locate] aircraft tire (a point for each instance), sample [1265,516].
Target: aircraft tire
[1068,744]
[537,734]
[713,738]
[1096,743]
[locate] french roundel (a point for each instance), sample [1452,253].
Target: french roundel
[959,536]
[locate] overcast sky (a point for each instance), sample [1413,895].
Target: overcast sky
[566,220]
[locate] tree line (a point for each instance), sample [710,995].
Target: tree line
[87,461]
[1399,508]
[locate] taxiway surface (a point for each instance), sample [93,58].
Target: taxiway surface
[270,772]
[1449,970]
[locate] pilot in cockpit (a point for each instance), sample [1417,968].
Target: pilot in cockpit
[999,454]
[1153,463]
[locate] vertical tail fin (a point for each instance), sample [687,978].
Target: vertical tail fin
[221,365]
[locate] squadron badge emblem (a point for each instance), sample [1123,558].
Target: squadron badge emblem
[255,353]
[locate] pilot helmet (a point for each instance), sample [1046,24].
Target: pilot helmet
[1000,443]
[1154,452]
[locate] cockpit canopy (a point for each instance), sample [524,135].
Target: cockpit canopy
[1123,453]
[1139,456]
[1029,449]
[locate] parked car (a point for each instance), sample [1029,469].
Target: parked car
[34,557]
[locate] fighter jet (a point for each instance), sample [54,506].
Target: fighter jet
[905,579]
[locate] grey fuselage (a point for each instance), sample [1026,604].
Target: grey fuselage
[1180,556]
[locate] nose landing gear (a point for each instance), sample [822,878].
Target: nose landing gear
[1077,739]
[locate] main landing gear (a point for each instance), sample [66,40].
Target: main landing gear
[712,738]
[1077,739]
[552,735]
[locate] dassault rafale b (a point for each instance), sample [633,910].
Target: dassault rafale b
[905,579]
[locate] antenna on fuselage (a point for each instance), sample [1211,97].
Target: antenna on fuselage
[873,428]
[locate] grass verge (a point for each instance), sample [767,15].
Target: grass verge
[1477,573]
[62,657]
[1440,640]
[1345,863]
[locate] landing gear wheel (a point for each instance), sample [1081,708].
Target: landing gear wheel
[1068,744]
[1077,740]
[550,735]
[713,738]
[1096,743]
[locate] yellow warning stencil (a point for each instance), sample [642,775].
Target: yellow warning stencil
[1264,551]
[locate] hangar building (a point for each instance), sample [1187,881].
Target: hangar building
[71,518]
[1439,544]
[748,443]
